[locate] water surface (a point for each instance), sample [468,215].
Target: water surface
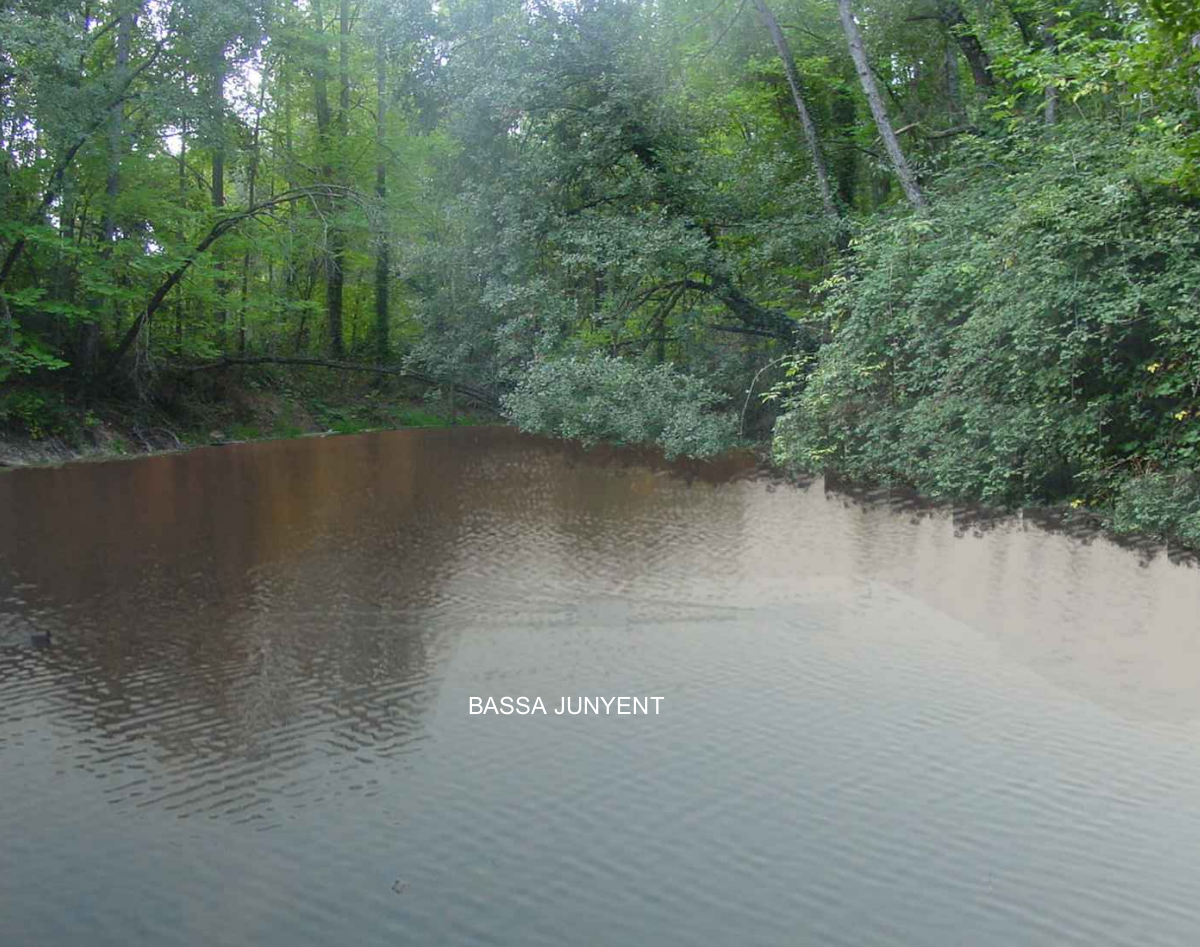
[881,724]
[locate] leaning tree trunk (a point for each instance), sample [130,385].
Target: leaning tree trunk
[951,16]
[908,180]
[806,120]
[953,93]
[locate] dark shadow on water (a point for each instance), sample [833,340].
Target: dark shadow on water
[977,520]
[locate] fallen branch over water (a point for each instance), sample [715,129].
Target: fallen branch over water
[467,391]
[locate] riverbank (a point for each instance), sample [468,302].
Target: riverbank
[42,426]
[263,405]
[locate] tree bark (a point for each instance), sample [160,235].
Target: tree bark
[1050,115]
[250,198]
[182,196]
[336,285]
[89,353]
[908,180]
[755,318]
[806,120]
[335,250]
[217,134]
[1022,26]
[344,68]
[953,93]
[1195,43]
[383,265]
[951,16]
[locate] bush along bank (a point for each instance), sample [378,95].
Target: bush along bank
[1032,339]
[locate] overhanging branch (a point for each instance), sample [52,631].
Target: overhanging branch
[219,229]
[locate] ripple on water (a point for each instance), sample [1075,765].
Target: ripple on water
[882,723]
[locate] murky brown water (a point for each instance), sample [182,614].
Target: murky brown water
[880,725]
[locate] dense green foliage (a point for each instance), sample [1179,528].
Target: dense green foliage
[954,241]
[605,399]
[1036,334]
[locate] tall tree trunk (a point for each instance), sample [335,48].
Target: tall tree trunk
[806,120]
[289,165]
[90,342]
[66,270]
[344,68]
[335,249]
[382,249]
[908,180]
[183,133]
[1195,43]
[1050,115]
[217,105]
[336,284]
[1014,10]
[951,16]
[250,199]
[956,112]
[843,117]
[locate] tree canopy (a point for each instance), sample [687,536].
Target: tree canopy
[952,241]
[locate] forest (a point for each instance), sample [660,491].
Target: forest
[953,244]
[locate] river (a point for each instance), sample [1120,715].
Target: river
[881,723]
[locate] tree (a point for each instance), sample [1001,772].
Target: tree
[577,209]
[383,259]
[950,13]
[858,53]
[806,122]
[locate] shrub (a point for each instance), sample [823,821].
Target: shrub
[1166,504]
[36,412]
[600,398]
[1034,337]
